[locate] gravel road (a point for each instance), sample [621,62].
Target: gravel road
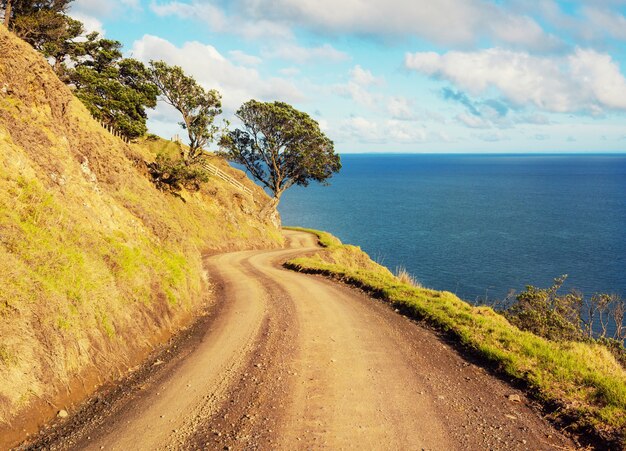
[292,361]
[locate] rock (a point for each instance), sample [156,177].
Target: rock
[515,398]
[62,413]
[511,417]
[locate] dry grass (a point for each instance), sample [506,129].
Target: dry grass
[94,261]
[406,277]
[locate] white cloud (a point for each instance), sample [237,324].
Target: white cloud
[90,23]
[293,52]
[493,137]
[237,84]
[359,88]
[583,81]
[473,121]
[364,77]
[283,43]
[457,22]
[400,108]
[94,7]
[363,130]
[605,21]
[92,12]
[220,22]
[290,71]
[244,59]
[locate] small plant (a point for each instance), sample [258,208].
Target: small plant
[404,276]
[172,176]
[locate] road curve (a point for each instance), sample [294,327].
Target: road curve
[295,361]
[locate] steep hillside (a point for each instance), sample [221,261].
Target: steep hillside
[96,265]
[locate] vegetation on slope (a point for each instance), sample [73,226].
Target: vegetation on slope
[584,379]
[95,263]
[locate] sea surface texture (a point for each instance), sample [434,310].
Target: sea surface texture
[479,225]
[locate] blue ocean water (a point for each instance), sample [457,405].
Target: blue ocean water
[479,225]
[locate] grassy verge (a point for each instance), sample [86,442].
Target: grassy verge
[584,380]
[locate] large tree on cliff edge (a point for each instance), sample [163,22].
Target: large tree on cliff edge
[280,147]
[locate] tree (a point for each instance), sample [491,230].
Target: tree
[116,90]
[6,7]
[280,147]
[65,47]
[37,21]
[198,106]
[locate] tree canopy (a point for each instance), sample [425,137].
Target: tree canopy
[198,106]
[280,146]
[116,90]
[38,22]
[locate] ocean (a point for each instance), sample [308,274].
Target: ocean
[479,225]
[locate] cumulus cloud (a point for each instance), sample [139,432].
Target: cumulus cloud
[90,23]
[292,52]
[493,137]
[457,22]
[364,77]
[592,22]
[219,21]
[359,87]
[583,81]
[290,71]
[400,108]
[91,12]
[244,59]
[378,131]
[237,84]
[606,22]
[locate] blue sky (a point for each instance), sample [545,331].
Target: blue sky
[398,75]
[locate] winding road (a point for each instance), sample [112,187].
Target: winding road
[293,361]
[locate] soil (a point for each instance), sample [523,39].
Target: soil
[291,361]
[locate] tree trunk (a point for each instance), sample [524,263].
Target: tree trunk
[7,14]
[270,212]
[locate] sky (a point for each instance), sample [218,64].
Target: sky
[424,76]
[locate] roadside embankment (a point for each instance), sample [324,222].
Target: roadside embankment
[96,265]
[583,380]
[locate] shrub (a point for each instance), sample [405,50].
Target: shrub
[544,312]
[173,175]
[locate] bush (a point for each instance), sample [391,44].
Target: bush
[173,175]
[544,312]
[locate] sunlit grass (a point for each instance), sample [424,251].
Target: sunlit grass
[583,378]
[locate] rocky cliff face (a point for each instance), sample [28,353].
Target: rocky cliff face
[96,265]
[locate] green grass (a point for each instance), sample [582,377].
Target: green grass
[583,379]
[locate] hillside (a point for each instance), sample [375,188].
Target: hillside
[96,265]
[581,383]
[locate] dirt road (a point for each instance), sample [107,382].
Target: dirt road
[293,361]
